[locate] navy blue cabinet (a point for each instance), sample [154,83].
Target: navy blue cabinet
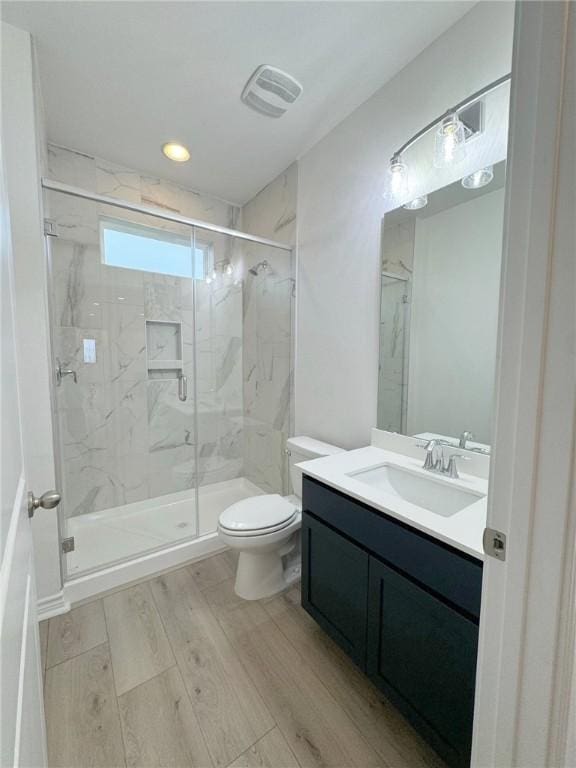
[335,586]
[422,654]
[404,606]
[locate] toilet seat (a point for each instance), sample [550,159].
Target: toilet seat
[258,515]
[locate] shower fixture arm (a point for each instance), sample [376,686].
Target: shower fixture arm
[456,108]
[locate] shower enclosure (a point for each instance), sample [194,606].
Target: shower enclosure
[172,345]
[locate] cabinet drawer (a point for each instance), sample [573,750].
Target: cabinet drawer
[335,586]
[455,576]
[422,654]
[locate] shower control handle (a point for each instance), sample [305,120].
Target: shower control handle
[182,387]
[61,372]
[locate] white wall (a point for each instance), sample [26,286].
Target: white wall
[21,126]
[454,320]
[340,206]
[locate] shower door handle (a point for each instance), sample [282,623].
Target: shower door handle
[182,387]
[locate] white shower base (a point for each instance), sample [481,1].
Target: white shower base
[115,535]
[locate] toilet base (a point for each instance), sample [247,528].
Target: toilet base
[260,575]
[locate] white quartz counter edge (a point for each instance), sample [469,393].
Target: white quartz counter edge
[462,530]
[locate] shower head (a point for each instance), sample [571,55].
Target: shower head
[257,267]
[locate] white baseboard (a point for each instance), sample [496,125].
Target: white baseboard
[122,574]
[53,605]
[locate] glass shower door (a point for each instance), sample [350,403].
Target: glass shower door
[123,340]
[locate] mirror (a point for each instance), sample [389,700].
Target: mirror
[440,287]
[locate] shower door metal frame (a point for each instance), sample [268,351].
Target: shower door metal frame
[49,233]
[149,210]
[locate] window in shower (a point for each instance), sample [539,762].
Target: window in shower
[134,246]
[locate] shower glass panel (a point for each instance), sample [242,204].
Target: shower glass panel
[127,336]
[392,373]
[244,372]
[173,399]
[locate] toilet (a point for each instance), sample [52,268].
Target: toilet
[266,529]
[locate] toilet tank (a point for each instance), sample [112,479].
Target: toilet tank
[304,449]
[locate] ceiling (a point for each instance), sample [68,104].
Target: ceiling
[121,78]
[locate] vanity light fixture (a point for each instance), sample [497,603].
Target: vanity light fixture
[449,142]
[417,203]
[479,178]
[398,172]
[176,152]
[454,128]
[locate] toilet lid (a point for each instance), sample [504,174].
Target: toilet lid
[257,513]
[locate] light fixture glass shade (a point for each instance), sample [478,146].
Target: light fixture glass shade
[398,176]
[479,178]
[417,203]
[449,143]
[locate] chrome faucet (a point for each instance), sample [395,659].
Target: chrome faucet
[464,437]
[451,469]
[434,461]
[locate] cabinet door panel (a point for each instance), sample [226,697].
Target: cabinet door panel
[335,585]
[422,653]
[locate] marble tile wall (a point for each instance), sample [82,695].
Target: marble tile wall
[268,354]
[125,437]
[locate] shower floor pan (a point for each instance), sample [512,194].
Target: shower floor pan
[113,535]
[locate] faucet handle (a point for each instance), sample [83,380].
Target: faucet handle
[431,462]
[451,468]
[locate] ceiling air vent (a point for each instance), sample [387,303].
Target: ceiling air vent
[270,91]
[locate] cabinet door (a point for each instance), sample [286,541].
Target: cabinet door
[422,654]
[335,586]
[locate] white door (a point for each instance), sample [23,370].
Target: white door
[22,730]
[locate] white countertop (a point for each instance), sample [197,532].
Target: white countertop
[463,530]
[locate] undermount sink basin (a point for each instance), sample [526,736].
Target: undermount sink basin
[427,492]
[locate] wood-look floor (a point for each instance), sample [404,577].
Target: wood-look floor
[179,671]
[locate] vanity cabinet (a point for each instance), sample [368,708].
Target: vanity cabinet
[335,586]
[402,605]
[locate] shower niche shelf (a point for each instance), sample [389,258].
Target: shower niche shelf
[163,349]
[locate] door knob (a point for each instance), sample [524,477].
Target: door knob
[48,500]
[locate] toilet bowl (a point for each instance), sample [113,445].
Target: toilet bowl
[266,529]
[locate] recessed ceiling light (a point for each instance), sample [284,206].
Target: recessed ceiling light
[176,152]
